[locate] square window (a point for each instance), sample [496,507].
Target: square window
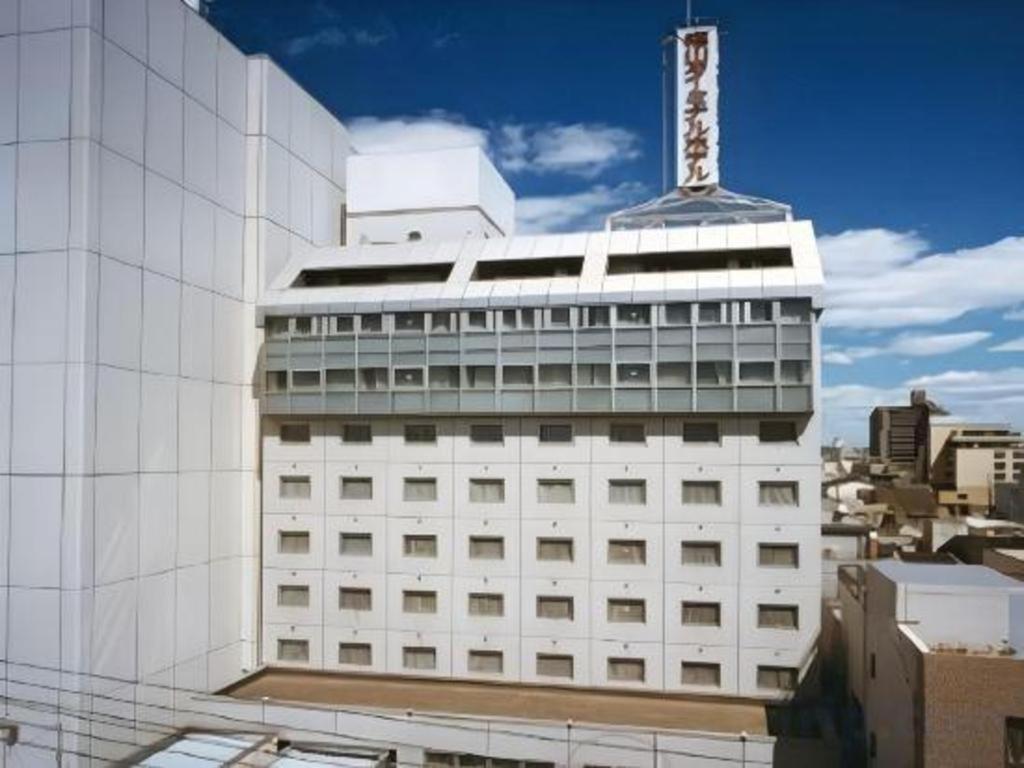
[714,372]
[701,432]
[357,488]
[476,321]
[341,378]
[371,323]
[419,545]
[677,314]
[556,607]
[795,372]
[443,322]
[627,491]
[420,433]
[304,326]
[757,373]
[355,654]
[552,375]
[356,433]
[443,376]
[674,375]
[419,489]
[305,379]
[559,317]
[554,491]
[508,320]
[708,492]
[486,433]
[555,433]
[528,318]
[409,322]
[633,314]
[294,433]
[627,552]
[760,311]
[479,376]
[355,599]
[620,432]
[555,549]
[276,327]
[277,381]
[355,544]
[778,494]
[517,375]
[702,553]
[409,378]
[486,548]
[795,310]
[373,379]
[344,324]
[709,313]
[596,317]
[293,595]
[633,374]
[295,487]
[293,542]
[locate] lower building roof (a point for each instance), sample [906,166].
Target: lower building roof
[678,712]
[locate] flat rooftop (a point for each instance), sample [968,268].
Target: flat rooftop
[502,700]
[933,574]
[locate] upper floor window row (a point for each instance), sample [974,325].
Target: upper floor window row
[558,318]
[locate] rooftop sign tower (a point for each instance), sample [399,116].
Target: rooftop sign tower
[696,107]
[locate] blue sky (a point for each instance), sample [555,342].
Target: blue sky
[897,127]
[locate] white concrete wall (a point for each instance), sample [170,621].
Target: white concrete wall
[127,346]
[739,524]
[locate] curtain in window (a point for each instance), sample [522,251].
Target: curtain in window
[554,608]
[293,650]
[551,665]
[486,604]
[777,616]
[419,489]
[623,552]
[419,658]
[486,491]
[355,599]
[556,492]
[293,596]
[702,614]
[627,491]
[355,544]
[623,611]
[784,555]
[419,602]
[486,548]
[554,549]
[420,546]
[357,488]
[702,492]
[698,673]
[629,670]
[702,553]
[777,494]
[293,542]
[488,662]
[356,654]
[295,487]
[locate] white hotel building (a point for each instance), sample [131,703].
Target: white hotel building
[229,441]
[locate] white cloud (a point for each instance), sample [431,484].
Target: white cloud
[908,345]
[1017,313]
[578,211]
[335,36]
[580,149]
[1014,345]
[989,396]
[434,130]
[877,278]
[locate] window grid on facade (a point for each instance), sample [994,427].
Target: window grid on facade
[555,607]
[627,551]
[355,599]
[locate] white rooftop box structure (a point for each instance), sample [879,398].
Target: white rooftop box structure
[448,194]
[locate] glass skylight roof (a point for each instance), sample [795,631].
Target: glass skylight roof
[691,208]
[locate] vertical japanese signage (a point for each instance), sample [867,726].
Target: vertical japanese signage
[696,106]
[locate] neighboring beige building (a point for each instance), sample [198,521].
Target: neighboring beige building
[967,459]
[922,675]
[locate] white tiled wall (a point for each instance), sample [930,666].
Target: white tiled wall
[663,582]
[128,429]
